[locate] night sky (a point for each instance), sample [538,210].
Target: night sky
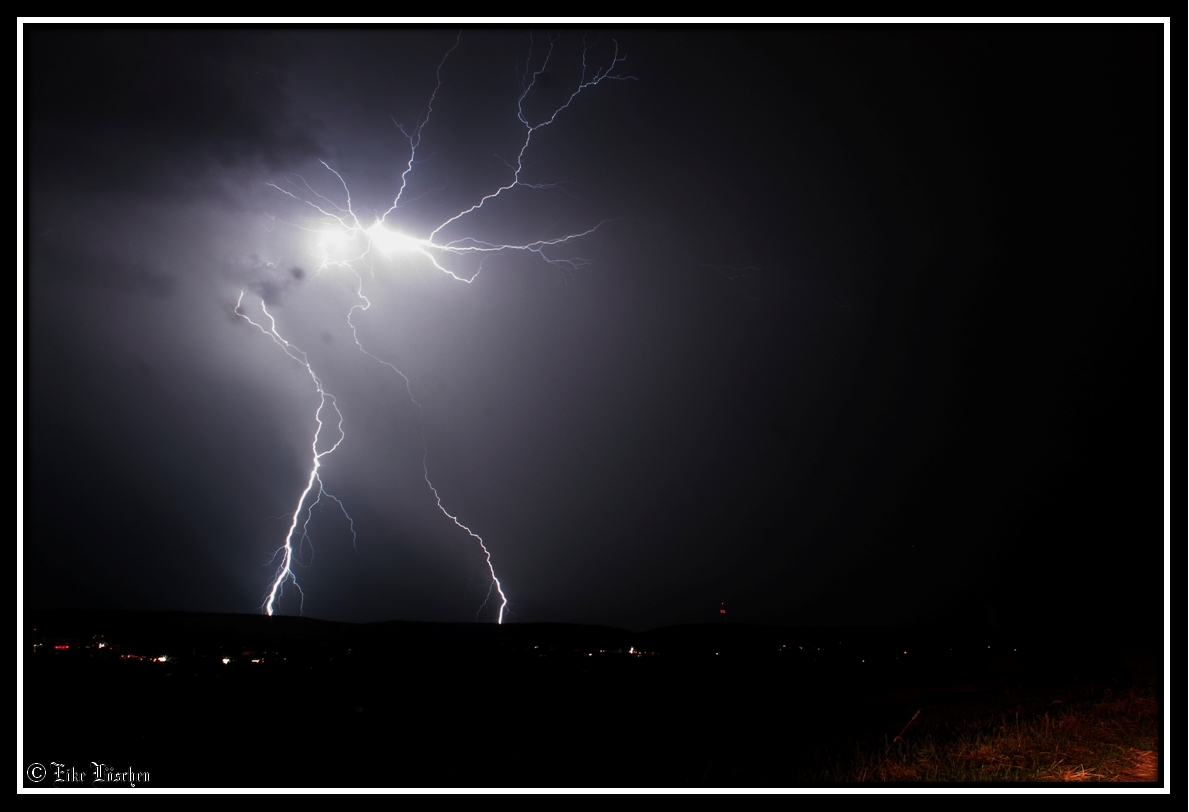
[871,331]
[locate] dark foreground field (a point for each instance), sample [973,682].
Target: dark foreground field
[306,703]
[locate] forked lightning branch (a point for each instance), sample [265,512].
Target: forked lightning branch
[351,243]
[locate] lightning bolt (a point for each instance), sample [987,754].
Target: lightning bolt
[349,243]
[286,552]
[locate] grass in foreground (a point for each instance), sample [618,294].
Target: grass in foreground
[1106,737]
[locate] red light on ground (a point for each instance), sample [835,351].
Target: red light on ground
[59,648]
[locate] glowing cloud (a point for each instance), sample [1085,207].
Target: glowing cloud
[347,244]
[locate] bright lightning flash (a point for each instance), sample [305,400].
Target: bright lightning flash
[348,243]
[286,552]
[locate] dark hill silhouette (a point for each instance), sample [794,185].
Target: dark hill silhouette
[225,700]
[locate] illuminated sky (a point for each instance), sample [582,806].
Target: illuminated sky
[870,331]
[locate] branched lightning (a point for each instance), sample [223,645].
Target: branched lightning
[286,551]
[348,242]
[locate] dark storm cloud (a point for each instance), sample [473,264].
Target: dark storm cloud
[131,134]
[100,267]
[153,112]
[267,280]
